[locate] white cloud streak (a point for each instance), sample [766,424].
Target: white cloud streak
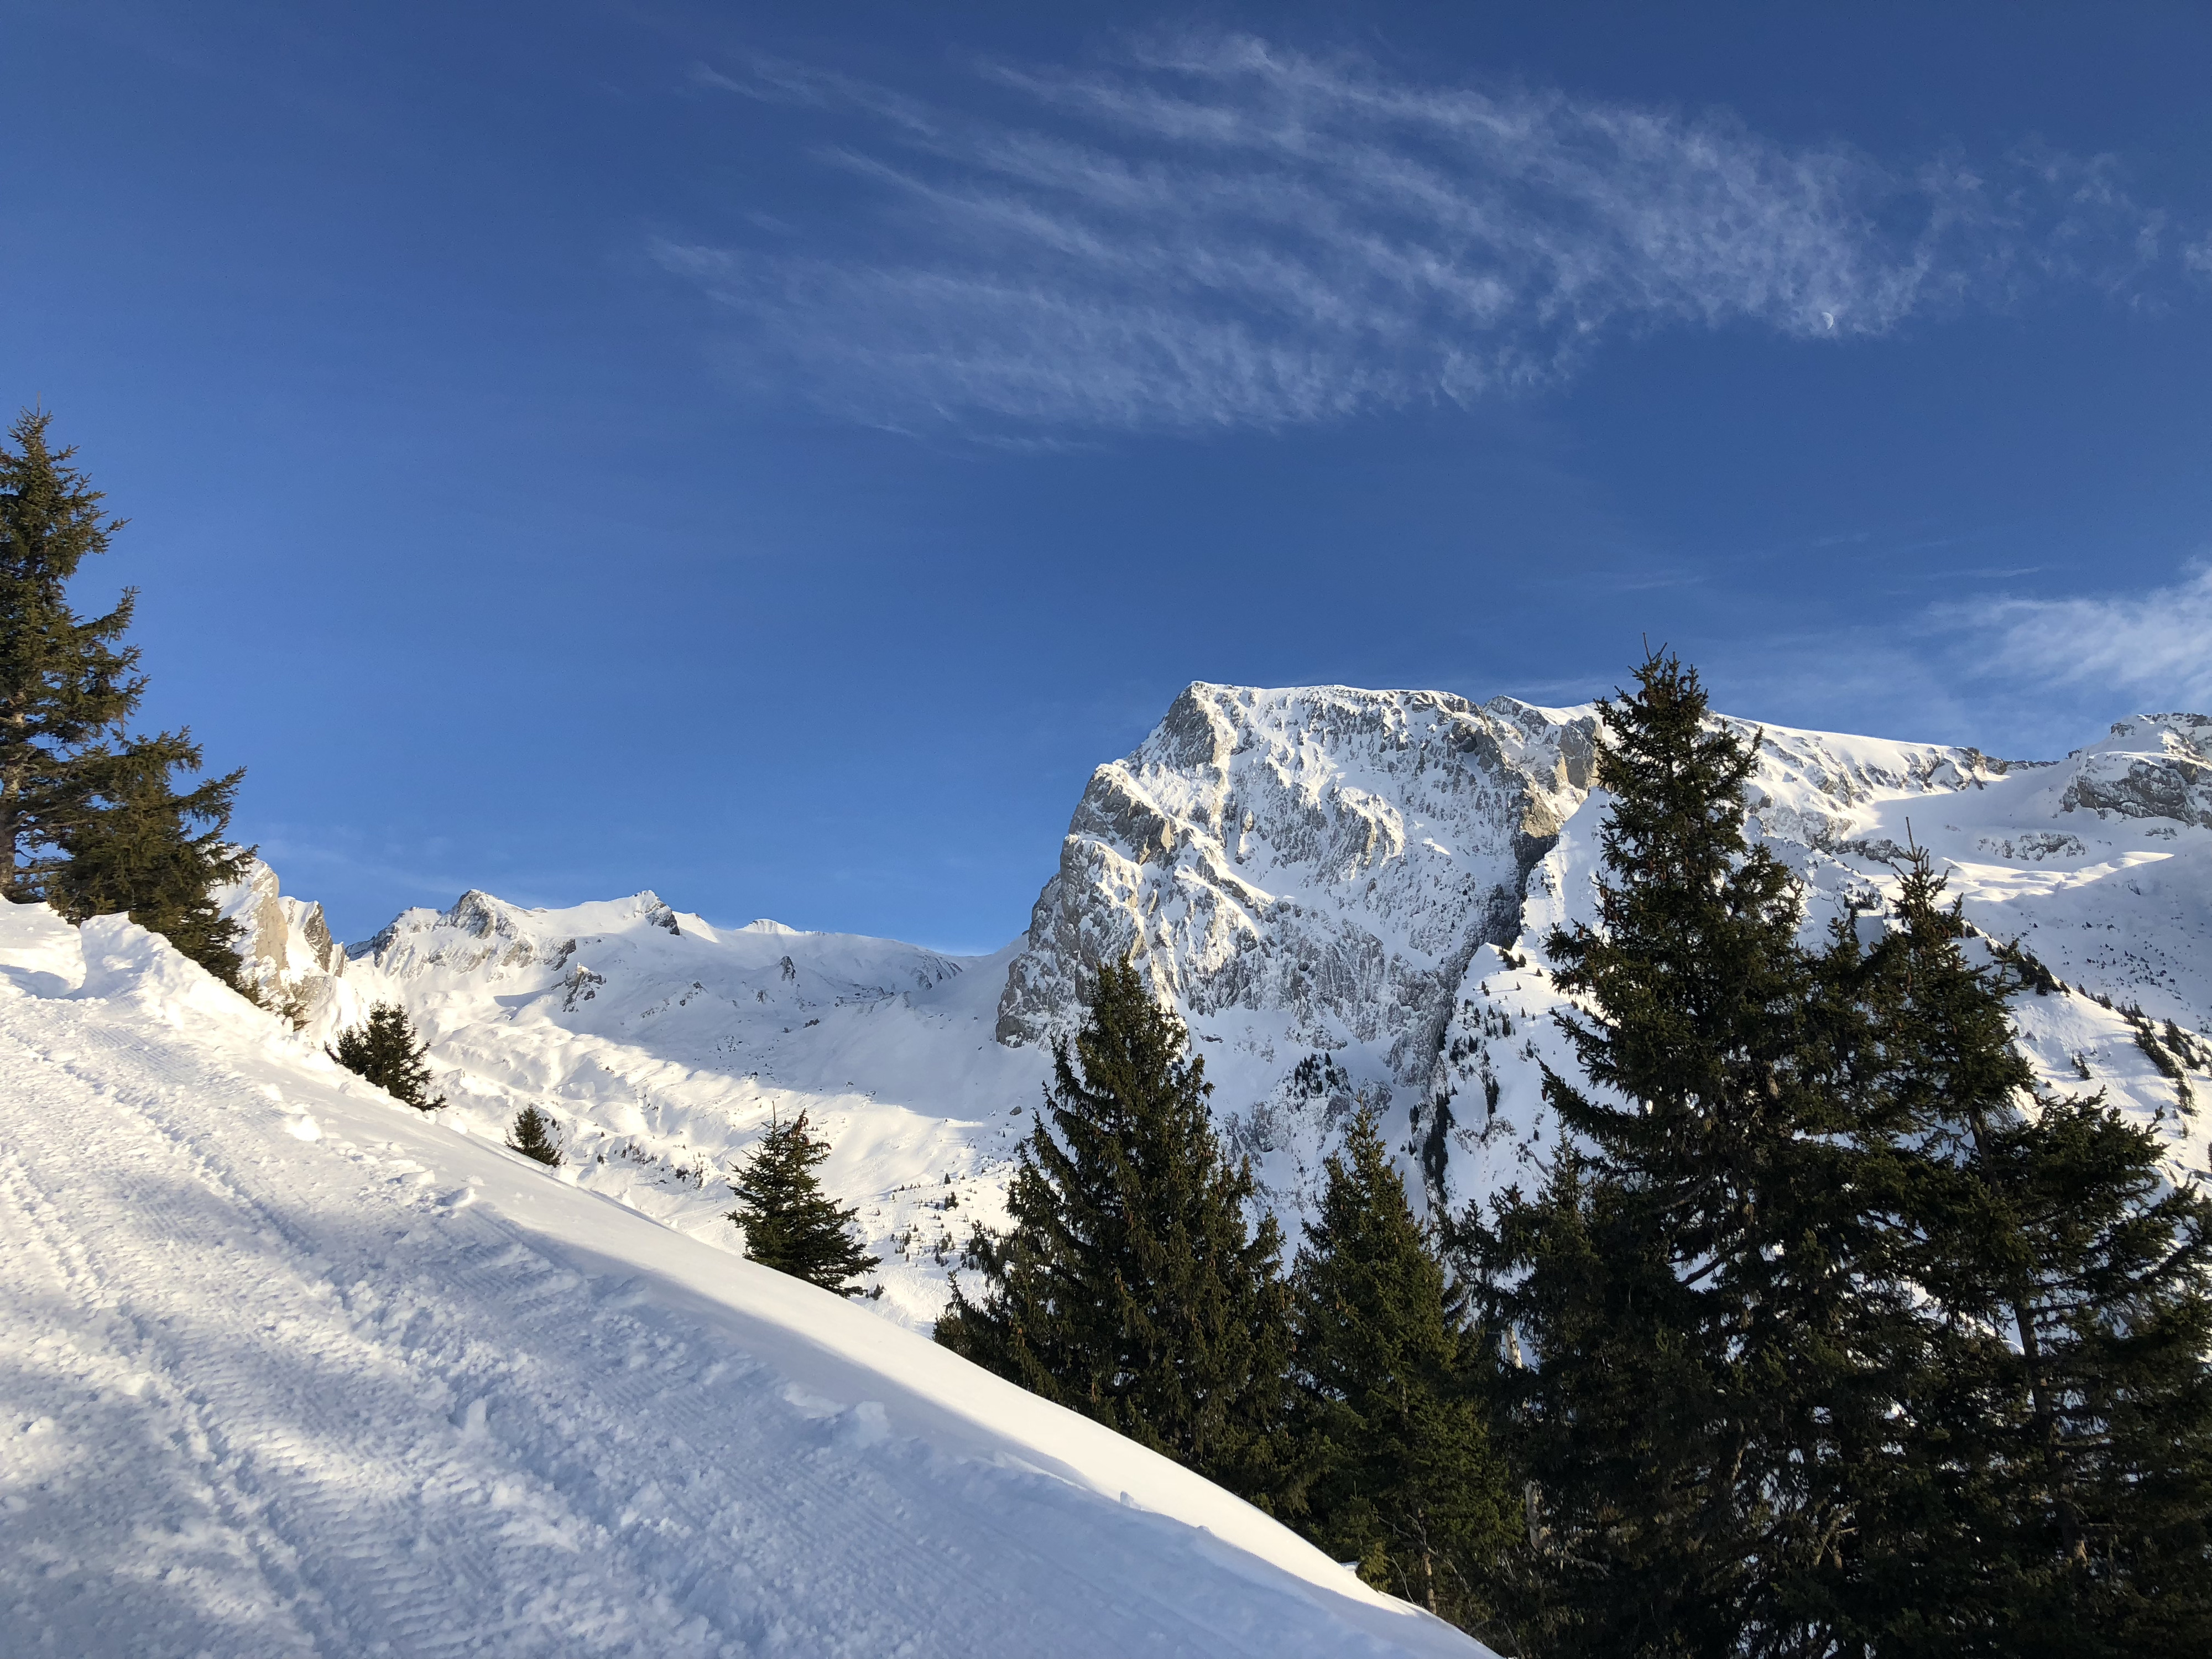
[2155,646]
[1219,232]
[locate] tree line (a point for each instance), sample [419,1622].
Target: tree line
[1826,1332]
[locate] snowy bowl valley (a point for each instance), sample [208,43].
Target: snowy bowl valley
[291,1368]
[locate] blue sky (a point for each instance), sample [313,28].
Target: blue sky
[771,453]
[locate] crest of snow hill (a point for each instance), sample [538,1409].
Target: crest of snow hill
[1345,893]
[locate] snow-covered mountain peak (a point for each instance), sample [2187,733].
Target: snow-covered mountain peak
[1387,829]
[1329,882]
[2153,766]
[1345,892]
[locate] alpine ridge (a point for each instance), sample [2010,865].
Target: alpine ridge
[1345,892]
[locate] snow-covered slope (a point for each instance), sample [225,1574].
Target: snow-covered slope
[1334,885]
[662,1047]
[287,1368]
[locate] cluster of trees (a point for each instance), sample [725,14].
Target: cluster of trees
[1345,1397]
[92,818]
[1826,1334]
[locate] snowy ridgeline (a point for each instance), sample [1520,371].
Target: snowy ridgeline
[286,1367]
[1345,892]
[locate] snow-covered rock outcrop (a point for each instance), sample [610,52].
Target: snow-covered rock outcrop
[287,1368]
[290,960]
[1334,854]
[1345,892]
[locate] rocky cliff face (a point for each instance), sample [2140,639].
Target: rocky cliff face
[290,959]
[1346,894]
[1333,854]
[2156,766]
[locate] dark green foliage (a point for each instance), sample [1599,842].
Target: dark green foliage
[534,1137]
[131,848]
[1131,1287]
[2059,1464]
[1402,1478]
[1831,1336]
[387,1052]
[90,818]
[1707,1297]
[790,1223]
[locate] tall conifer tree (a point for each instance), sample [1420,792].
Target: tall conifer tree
[791,1225]
[1131,1288]
[1703,1293]
[2059,1464]
[90,816]
[130,845]
[1402,1478]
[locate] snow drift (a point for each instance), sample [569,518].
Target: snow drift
[286,1368]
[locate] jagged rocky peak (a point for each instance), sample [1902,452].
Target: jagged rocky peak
[480,915]
[480,930]
[1336,852]
[2153,766]
[284,944]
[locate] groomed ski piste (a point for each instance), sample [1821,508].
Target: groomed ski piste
[286,1368]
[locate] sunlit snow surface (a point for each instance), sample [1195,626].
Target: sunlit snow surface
[287,1368]
[1322,880]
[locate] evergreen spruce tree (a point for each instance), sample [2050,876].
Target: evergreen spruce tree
[387,1052]
[1402,1478]
[1705,1294]
[791,1225]
[90,818]
[1131,1287]
[534,1137]
[129,846]
[2060,1463]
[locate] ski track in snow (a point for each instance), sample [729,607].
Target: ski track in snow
[288,1369]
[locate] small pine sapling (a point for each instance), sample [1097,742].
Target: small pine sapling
[791,1225]
[534,1137]
[387,1053]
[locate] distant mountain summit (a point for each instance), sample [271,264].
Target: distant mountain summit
[1345,893]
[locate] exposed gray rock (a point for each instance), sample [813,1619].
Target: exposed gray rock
[1334,854]
[2156,766]
[1311,876]
[287,958]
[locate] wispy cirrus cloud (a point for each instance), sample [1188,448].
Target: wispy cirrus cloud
[2155,646]
[1219,232]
